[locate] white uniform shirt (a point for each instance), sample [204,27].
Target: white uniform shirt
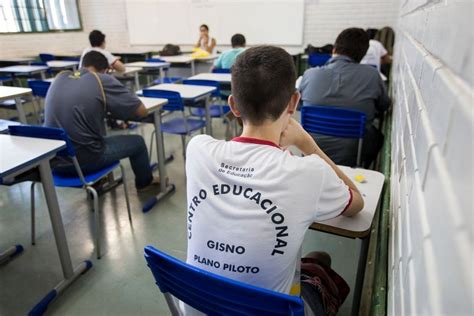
[249,206]
[375,52]
[111,59]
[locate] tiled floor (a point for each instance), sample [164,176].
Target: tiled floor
[120,283]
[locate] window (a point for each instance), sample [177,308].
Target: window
[24,16]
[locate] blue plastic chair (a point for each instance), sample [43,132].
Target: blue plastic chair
[166,79]
[213,294]
[317,60]
[85,181]
[336,122]
[46,57]
[221,70]
[215,110]
[182,126]
[39,89]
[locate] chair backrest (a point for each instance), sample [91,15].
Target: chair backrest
[154,60]
[175,102]
[39,88]
[316,60]
[207,83]
[333,121]
[45,132]
[46,57]
[221,70]
[213,294]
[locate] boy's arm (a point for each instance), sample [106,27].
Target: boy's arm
[295,135]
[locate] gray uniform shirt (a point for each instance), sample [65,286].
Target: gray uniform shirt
[344,83]
[75,102]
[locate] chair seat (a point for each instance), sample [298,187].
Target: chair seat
[215,110]
[177,126]
[75,182]
[168,80]
[10,104]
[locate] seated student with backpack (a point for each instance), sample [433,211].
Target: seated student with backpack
[250,201]
[227,58]
[79,101]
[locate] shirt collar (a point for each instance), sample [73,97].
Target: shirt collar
[250,140]
[341,57]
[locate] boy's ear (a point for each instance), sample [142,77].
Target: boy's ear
[232,105]
[294,101]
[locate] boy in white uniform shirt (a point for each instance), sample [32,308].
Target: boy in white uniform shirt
[250,201]
[97,41]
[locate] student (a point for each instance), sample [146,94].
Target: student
[345,83]
[78,102]
[250,201]
[205,42]
[227,58]
[376,54]
[97,40]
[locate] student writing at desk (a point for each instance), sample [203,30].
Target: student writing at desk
[205,42]
[227,58]
[250,201]
[78,103]
[97,41]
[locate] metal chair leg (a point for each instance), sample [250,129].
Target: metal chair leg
[95,203]
[183,143]
[359,153]
[32,197]
[151,144]
[125,188]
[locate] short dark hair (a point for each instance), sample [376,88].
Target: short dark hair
[204,26]
[237,40]
[263,81]
[96,60]
[96,38]
[352,42]
[371,33]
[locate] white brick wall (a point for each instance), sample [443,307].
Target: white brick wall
[430,264]
[324,19]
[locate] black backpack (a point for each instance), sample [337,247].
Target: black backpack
[170,50]
[326,49]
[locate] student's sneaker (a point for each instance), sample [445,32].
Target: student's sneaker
[153,186]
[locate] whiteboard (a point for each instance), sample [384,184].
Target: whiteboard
[159,22]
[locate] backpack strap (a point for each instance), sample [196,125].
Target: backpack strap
[101,89]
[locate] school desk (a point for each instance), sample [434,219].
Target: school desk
[14,93]
[62,64]
[189,93]
[357,226]
[20,154]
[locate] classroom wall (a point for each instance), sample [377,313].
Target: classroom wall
[324,19]
[431,230]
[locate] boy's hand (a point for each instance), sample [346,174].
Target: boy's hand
[294,134]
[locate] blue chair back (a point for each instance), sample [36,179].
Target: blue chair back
[46,57]
[45,132]
[175,102]
[38,63]
[316,60]
[221,70]
[154,60]
[207,83]
[333,121]
[213,294]
[39,88]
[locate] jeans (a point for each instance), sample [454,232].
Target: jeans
[116,148]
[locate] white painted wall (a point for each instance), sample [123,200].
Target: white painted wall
[431,252]
[324,19]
